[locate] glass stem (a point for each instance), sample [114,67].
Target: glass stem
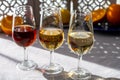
[51,57]
[79,60]
[25,55]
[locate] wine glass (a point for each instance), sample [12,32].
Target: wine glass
[80,40]
[51,36]
[24,33]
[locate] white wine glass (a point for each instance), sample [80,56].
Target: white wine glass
[24,33]
[80,40]
[51,36]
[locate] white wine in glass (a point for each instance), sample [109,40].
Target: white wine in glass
[80,40]
[51,36]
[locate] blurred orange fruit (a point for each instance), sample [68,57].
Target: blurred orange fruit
[0,26]
[98,15]
[6,23]
[65,13]
[113,14]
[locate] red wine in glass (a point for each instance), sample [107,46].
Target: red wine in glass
[24,35]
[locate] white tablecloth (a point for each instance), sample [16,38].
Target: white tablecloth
[11,54]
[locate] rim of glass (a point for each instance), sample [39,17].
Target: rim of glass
[22,6]
[52,8]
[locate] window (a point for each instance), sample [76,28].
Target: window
[7,5]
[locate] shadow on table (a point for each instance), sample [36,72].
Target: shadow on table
[10,58]
[64,76]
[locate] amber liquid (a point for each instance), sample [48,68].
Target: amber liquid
[51,38]
[24,35]
[80,42]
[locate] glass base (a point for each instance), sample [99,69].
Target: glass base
[27,65]
[52,69]
[81,74]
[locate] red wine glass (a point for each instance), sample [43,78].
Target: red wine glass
[24,33]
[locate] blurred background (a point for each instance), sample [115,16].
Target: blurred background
[6,6]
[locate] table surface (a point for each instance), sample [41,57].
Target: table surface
[103,61]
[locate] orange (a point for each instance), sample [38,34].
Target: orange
[113,14]
[98,15]
[65,13]
[6,23]
[0,25]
